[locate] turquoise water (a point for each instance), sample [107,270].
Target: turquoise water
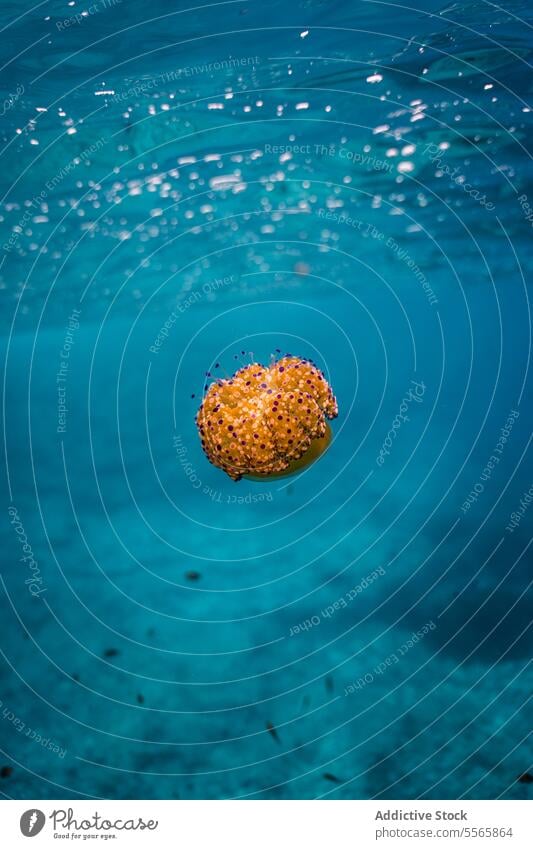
[350,182]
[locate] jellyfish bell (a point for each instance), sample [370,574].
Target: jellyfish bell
[316,449]
[267,421]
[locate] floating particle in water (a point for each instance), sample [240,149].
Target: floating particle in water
[140,698]
[267,421]
[526,778]
[6,771]
[273,732]
[192,575]
[111,652]
[330,777]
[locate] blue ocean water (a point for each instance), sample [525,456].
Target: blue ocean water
[347,181]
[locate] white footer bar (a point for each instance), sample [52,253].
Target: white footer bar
[268,824]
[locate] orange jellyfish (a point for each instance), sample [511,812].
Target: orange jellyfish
[267,421]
